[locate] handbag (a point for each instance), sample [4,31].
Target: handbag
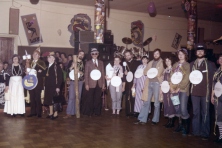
[175,99]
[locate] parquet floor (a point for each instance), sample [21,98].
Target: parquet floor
[95,132]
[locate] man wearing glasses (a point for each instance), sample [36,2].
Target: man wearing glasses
[94,83]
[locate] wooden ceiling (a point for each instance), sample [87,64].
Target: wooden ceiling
[207,9]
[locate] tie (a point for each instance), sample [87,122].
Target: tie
[95,64]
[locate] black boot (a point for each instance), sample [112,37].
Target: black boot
[171,123]
[168,122]
[179,127]
[185,129]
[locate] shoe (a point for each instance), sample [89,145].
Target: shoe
[22,115]
[171,123]
[31,115]
[168,122]
[39,116]
[53,118]
[49,116]
[179,128]
[67,116]
[140,122]
[219,141]
[154,123]
[205,138]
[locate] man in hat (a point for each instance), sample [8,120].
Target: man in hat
[131,67]
[201,93]
[35,94]
[93,103]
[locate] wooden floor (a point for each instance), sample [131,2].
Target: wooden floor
[95,132]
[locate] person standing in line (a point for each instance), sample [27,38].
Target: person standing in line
[71,107]
[152,88]
[35,94]
[116,92]
[182,90]
[131,67]
[169,110]
[201,93]
[138,84]
[4,82]
[217,101]
[93,102]
[16,103]
[53,81]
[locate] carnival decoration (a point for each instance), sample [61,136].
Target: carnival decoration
[176,78]
[32,30]
[99,22]
[176,41]
[116,81]
[95,74]
[137,33]
[165,86]
[80,22]
[26,56]
[29,82]
[196,77]
[152,73]
[151,8]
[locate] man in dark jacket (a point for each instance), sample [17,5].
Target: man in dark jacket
[201,93]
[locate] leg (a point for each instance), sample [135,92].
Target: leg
[183,104]
[156,90]
[205,122]
[71,104]
[33,103]
[97,100]
[146,106]
[113,97]
[119,98]
[196,115]
[38,102]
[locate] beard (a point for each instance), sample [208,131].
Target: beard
[200,57]
[80,57]
[156,59]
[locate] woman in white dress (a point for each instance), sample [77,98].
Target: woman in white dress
[16,103]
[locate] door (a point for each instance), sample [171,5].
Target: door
[6,49]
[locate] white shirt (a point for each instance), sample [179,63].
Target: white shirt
[50,64]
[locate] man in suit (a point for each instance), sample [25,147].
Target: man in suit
[93,103]
[35,94]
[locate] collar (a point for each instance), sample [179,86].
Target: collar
[51,64]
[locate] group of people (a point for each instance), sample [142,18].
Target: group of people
[139,80]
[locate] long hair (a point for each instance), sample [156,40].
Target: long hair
[171,58]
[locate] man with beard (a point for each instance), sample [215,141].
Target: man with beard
[131,67]
[152,88]
[71,107]
[35,94]
[201,93]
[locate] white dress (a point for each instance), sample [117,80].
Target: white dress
[16,102]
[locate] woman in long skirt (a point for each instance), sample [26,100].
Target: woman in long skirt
[16,103]
[169,110]
[217,101]
[138,84]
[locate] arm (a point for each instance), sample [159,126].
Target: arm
[185,81]
[103,76]
[59,77]
[212,97]
[86,76]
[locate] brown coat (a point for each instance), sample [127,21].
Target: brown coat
[160,68]
[184,85]
[88,68]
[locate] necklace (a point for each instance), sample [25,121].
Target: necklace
[14,73]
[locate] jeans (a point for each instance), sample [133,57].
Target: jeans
[153,90]
[71,107]
[116,97]
[181,109]
[201,118]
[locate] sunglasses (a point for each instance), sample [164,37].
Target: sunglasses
[94,53]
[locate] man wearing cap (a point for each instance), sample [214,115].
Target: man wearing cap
[200,93]
[93,103]
[35,94]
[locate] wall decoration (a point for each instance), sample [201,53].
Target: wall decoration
[80,22]
[190,7]
[99,22]
[137,32]
[32,29]
[176,41]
